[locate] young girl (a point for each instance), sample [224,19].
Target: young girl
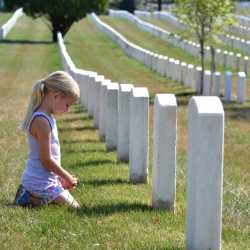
[44,180]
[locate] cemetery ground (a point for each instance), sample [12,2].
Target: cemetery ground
[158,45]
[115,214]
[167,25]
[4,17]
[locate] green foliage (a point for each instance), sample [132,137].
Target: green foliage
[128,5]
[206,18]
[61,14]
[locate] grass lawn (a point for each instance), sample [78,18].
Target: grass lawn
[4,17]
[115,214]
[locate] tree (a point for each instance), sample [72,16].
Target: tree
[206,19]
[159,3]
[128,5]
[61,14]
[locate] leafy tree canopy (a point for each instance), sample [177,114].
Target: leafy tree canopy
[61,14]
[206,19]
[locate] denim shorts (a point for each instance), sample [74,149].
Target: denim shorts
[23,196]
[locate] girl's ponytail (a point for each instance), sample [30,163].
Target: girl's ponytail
[35,101]
[58,81]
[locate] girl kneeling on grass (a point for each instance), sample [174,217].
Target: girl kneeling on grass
[44,180]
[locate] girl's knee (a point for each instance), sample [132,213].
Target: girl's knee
[65,198]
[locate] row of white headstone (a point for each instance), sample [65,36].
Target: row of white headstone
[225,58]
[101,97]
[5,29]
[239,29]
[244,20]
[121,112]
[242,5]
[233,41]
[182,72]
[167,16]
[236,42]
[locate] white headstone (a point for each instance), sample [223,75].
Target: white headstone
[96,96]
[138,135]
[246,64]
[241,88]
[205,173]
[198,79]
[90,96]
[183,72]
[231,59]
[102,114]
[190,75]
[207,81]
[217,83]
[228,86]
[225,53]
[164,152]
[123,122]
[111,123]
[238,59]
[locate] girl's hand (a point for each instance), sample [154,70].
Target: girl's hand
[70,182]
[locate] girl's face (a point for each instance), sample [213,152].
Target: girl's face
[61,103]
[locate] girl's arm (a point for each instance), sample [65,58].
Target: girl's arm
[41,130]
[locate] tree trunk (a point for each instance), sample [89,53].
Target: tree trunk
[60,26]
[159,2]
[202,66]
[54,35]
[213,67]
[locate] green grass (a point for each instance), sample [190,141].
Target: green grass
[4,17]
[115,214]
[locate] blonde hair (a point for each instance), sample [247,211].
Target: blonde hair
[58,81]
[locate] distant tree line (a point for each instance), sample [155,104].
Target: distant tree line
[131,5]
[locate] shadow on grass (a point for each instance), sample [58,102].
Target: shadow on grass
[108,209]
[237,112]
[80,141]
[82,164]
[74,119]
[8,41]
[78,109]
[84,150]
[79,128]
[183,98]
[104,182]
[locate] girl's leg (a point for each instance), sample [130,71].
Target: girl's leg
[66,198]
